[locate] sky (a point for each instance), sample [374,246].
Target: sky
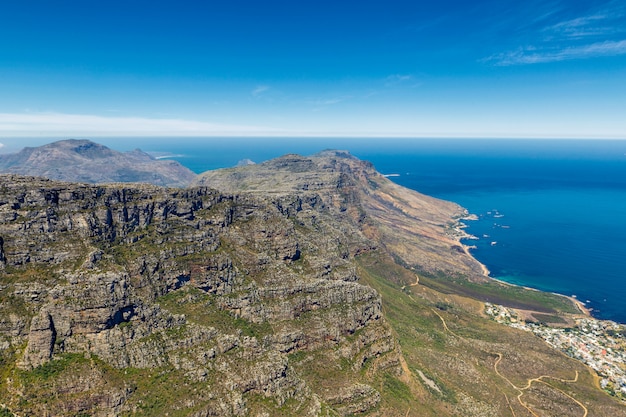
[483,68]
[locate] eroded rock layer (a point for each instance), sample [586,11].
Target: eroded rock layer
[218,289]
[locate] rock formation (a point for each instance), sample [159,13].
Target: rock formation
[217,288]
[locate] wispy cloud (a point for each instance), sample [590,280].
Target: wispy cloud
[259,90]
[24,124]
[403,80]
[329,101]
[600,32]
[321,104]
[581,27]
[532,55]
[398,78]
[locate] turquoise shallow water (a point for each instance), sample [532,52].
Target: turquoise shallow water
[552,214]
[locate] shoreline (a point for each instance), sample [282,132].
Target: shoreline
[584,311]
[462,234]
[579,304]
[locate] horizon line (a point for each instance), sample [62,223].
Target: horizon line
[318,136]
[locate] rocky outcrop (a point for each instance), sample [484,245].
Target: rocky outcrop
[41,338]
[218,289]
[86,161]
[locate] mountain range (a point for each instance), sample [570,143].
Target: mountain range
[304,285]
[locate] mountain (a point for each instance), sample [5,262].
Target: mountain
[86,161]
[309,286]
[422,231]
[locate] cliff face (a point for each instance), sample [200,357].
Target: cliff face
[86,161]
[216,291]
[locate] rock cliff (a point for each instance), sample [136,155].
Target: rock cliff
[217,289]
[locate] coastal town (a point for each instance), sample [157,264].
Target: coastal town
[600,344]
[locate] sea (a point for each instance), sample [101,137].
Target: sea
[551,214]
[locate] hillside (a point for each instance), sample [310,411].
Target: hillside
[86,161]
[301,286]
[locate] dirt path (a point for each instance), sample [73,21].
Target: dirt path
[415,284]
[539,379]
[445,326]
[520,390]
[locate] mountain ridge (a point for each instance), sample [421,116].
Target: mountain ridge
[425,227]
[81,160]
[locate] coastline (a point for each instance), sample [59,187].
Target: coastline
[462,234]
[484,269]
[581,306]
[538,256]
[584,311]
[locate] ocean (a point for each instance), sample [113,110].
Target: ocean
[551,213]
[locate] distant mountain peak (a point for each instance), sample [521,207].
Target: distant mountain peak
[82,160]
[82,147]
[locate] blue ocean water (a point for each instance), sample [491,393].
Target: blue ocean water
[552,213]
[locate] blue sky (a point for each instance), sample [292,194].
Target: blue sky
[313,68]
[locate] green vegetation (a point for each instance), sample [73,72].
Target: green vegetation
[432,352]
[499,293]
[202,309]
[447,344]
[41,273]
[334,374]
[52,369]
[397,389]
[4,412]
[155,390]
[549,319]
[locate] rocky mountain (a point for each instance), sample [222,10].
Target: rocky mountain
[305,286]
[86,161]
[423,232]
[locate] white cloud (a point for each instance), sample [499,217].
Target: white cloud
[599,33]
[592,27]
[329,101]
[25,124]
[259,90]
[396,79]
[532,55]
[402,80]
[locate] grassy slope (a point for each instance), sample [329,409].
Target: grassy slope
[457,365]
